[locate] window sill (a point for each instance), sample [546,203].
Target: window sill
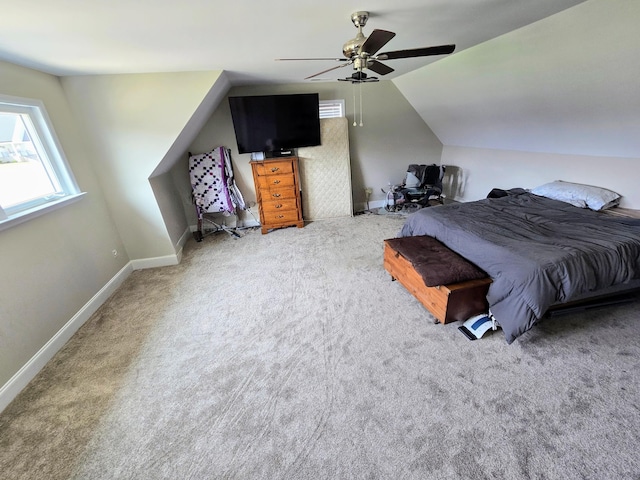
[35,212]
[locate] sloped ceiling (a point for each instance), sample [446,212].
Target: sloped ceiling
[242,37]
[543,76]
[566,84]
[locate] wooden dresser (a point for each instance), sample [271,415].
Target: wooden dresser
[277,185]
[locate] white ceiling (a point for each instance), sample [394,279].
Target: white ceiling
[242,37]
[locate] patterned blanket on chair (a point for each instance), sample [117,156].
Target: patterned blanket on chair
[209,182]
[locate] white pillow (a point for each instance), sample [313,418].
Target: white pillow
[582,196]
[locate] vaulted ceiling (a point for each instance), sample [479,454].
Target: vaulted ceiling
[547,75]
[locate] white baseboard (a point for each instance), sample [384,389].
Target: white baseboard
[373,205]
[166,260]
[183,239]
[14,386]
[154,262]
[250,222]
[181,242]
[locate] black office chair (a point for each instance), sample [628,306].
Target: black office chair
[423,184]
[422,187]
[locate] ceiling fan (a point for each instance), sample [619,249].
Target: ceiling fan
[361,53]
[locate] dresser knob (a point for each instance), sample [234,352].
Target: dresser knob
[276,182]
[279,216]
[276,195]
[279,205]
[275,169]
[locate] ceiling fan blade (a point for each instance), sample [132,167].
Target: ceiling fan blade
[327,70]
[417,52]
[379,68]
[376,41]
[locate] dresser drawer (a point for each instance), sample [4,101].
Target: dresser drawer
[277,193]
[275,217]
[284,167]
[270,181]
[275,206]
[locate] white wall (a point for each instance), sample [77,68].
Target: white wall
[478,170]
[53,265]
[132,122]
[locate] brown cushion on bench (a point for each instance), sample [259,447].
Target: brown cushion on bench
[436,264]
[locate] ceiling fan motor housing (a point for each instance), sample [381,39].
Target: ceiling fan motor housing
[352,47]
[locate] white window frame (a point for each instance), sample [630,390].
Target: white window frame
[331,108]
[52,158]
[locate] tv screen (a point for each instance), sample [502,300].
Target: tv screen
[272,123]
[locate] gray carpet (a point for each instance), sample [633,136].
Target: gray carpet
[293,356]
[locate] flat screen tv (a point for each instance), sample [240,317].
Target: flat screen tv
[275,123]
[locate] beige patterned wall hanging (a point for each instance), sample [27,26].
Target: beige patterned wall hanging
[325,173]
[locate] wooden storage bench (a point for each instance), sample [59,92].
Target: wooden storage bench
[450,301]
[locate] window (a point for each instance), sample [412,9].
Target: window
[34,175]
[331,108]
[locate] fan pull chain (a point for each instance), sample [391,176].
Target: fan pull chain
[360,104]
[354,105]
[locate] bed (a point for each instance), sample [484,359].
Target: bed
[538,251]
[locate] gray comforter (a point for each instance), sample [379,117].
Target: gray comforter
[537,251]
